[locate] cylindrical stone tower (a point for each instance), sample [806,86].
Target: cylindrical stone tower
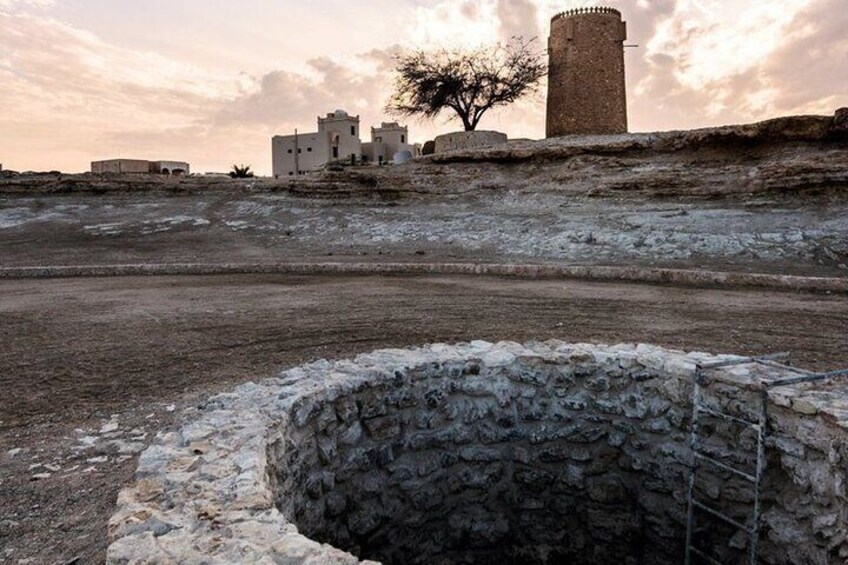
[586,84]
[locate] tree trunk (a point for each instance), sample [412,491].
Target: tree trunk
[466,121]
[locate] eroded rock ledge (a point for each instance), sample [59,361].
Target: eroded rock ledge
[777,131]
[484,453]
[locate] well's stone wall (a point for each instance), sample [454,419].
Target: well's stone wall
[468,140]
[482,453]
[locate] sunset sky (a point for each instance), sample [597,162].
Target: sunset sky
[210,81]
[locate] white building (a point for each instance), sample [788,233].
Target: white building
[386,140]
[138,166]
[337,139]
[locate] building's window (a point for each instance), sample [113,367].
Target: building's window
[403,138]
[352,130]
[378,139]
[300,150]
[291,173]
[290,150]
[309,150]
[335,152]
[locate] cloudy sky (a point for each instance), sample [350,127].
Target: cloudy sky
[210,81]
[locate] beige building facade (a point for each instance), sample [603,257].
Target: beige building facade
[387,140]
[120,166]
[139,166]
[176,168]
[337,139]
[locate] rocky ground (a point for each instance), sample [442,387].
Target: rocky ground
[765,198]
[92,368]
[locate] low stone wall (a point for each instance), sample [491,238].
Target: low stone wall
[679,277]
[486,453]
[461,140]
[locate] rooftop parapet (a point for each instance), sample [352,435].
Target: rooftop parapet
[582,11]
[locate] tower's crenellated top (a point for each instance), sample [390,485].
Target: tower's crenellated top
[581,11]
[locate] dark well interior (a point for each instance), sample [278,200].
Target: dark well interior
[534,463]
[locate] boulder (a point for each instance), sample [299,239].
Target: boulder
[839,128]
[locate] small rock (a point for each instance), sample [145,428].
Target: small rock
[86,441]
[41,476]
[109,428]
[804,406]
[14,452]
[96,460]
[840,122]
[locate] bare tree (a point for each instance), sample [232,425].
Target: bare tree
[468,83]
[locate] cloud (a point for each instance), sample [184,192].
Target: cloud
[518,18]
[72,92]
[8,4]
[70,96]
[464,23]
[704,68]
[283,100]
[810,73]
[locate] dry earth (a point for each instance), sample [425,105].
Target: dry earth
[93,368]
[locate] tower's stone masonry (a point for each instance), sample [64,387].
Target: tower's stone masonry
[586,82]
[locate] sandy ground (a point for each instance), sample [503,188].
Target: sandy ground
[92,369]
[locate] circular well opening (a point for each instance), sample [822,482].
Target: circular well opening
[467,462]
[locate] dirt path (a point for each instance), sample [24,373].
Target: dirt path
[148,350]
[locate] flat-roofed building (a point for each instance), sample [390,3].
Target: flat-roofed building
[139,166]
[387,140]
[337,139]
[177,168]
[122,166]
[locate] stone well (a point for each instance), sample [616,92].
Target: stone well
[485,453]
